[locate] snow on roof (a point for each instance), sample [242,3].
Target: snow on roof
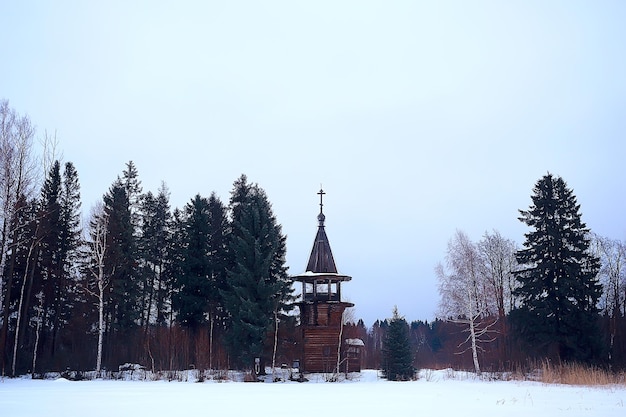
[319,274]
[354,342]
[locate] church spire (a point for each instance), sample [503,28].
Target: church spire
[321,259]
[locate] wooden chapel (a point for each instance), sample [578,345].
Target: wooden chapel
[321,311]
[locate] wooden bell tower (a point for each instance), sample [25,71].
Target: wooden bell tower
[321,308]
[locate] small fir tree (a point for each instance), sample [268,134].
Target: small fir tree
[559,289]
[397,353]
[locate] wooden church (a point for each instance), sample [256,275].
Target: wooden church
[321,311]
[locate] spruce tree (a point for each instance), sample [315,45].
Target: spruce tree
[218,256]
[559,289]
[258,284]
[155,238]
[121,259]
[132,185]
[52,283]
[397,353]
[154,243]
[190,301]
[70,238]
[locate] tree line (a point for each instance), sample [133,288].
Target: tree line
[559,297]
[206,285]
[140,282]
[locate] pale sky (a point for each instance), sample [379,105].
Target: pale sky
[418,118]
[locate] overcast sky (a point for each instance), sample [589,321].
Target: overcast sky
[418,118]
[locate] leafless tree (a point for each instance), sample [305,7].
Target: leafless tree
[498,255]
[21,308]
[38,324]
[467,297]
[50,145]
[17,169]
[346,317]
[612,254]
[18,177]
[99,282]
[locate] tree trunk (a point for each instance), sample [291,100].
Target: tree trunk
[6,309]
[19,309]
[100,318]
[275,343]
[474,346]
[38,333]
[339,344]
[211,342]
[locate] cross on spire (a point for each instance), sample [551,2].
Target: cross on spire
[321,194]
[321,217]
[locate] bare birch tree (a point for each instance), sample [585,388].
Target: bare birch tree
[99,281]
[21,308]
[18,176]
[466,295]
[498,255]
[612,254]
[18,172]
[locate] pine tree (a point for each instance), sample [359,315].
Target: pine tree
[258,285]
[559,289]
[397,353]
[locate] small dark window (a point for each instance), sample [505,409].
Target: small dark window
[326,351]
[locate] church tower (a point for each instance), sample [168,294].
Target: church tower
[321,308]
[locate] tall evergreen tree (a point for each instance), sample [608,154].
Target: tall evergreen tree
[154,242]
[559,289]
[70,241]
[52,283]
[175,258]
[190,301]
[121,259]
[397,353]
[218,253]
[132,185]
[258,284]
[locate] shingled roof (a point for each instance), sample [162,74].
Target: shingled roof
[321,259]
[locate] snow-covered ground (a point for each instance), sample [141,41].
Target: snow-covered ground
[442,393]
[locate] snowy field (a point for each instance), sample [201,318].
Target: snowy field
[442,393]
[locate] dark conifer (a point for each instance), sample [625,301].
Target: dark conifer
[154,242]
[51,285]
[121,259]
[559,289]
[218,257]
[397,353]
[190,301]
[258,284]
[70,236]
